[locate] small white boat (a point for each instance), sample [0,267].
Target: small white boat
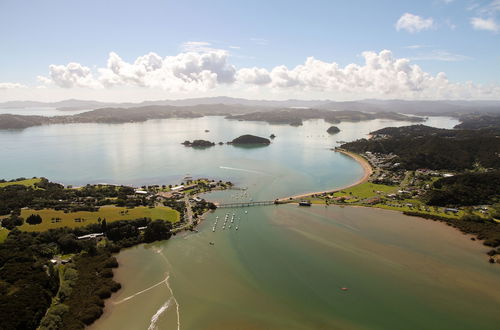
[246,212]
[213,229]
[236,227]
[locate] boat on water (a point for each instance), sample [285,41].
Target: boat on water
[344,289]
[236,227]
[246,212]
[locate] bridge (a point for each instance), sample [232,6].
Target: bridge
[245,204]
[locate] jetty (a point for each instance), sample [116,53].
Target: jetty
[245,204]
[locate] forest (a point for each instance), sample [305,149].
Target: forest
[419,146]
[30,283]
[46,194]
[466,189]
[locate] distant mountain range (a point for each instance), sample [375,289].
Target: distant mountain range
[442,107]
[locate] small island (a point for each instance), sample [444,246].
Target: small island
[250,139]
[333,130]
[198,143]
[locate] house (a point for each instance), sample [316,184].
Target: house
[449,209]
[178,188]
[141,192]
[89,236]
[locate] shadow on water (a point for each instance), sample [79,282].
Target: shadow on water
[250,146]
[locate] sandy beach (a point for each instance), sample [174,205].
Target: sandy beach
[367,169]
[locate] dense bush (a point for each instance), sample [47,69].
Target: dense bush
[466,189]
[420,146]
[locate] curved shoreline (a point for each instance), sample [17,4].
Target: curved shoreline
[367,169]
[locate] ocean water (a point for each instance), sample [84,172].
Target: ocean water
[285,266]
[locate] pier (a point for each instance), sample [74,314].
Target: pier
[245,204]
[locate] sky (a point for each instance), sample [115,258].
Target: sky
[160,49]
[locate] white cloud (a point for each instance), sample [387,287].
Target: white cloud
[260,41]
[381,75]
[417,46]
[413,23]
[197,46]
[70,75]
[8,85]
[490,8]
[253,76]
[183,72]
[440,55]
[488,24]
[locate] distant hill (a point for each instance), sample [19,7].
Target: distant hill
[295,117]
[438,107]
[423,108]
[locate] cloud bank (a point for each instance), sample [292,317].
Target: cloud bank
[380,75]
[8,85]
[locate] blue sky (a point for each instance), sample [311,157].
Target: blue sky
[460,38]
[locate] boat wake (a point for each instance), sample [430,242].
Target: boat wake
[154,319]
[165,306]
[141,292]
[240,169]
[176,305]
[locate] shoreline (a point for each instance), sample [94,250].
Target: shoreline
[367,172]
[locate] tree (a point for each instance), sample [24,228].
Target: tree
[34,219]
[157,230]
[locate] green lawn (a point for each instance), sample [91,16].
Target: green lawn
[27,182]
[111,213]
[366,190]
[3,234]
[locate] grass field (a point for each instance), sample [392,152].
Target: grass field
[366,190]
[27,182]
[3,234]
[111,213]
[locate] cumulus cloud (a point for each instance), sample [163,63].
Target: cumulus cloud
[380,75]
[8,85]
[488,24]
[414,23]
[253,75]
[70,75]
[183,72]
